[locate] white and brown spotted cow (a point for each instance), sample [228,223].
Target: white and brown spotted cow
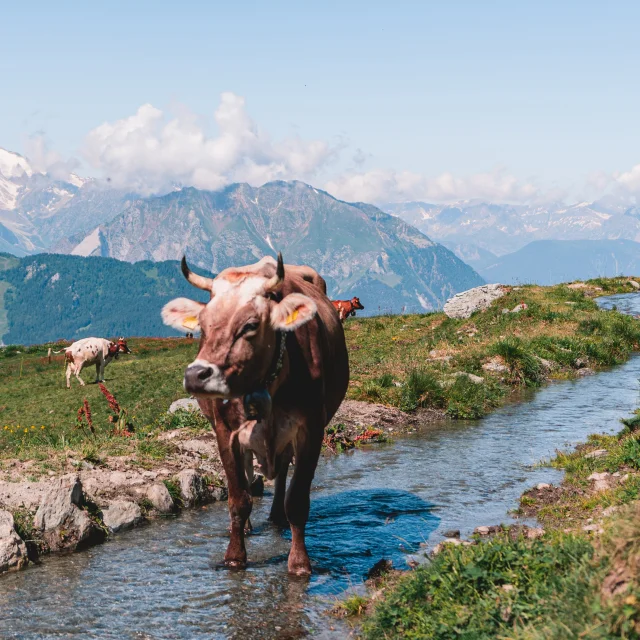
[98,351]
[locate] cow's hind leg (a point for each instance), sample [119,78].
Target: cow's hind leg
[297,500]
[69,372]
[278,515]
[77,372]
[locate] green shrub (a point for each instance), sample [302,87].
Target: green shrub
[421,389]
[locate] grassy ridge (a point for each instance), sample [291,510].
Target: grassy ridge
[406,361]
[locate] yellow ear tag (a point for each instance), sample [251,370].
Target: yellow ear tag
[190,323]
[291,318]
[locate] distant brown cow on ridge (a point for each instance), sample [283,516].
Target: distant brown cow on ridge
[346,308]
[271,372]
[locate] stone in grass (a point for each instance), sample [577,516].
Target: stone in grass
[13,551]
[186,404]
[598,453]
[121,515]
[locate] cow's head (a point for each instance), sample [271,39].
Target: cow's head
[122,346]
[238,326]
[355,303]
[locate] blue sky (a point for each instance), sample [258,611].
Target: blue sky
[519,97]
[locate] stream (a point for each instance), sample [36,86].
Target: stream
[380,501]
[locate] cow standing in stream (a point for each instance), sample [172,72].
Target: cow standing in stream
[271,371]
[98,351]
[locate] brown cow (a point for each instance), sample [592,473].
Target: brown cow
[271,371]
[346,308]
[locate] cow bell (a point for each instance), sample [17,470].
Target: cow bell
[257,405]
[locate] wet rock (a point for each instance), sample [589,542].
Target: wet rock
[541,486]
[220,494]
[581,373]
[546,365]
[598,453]
[186,404]
[193,488]
[462,305]
[60,519]
[485,531]
[452,533]
[13,551]
[379,569]
[121,515]
[160,498]
[580,363]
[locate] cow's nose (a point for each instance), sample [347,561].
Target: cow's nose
[202,377]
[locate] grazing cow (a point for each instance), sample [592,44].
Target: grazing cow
[271,371]
[346,308]
[98,351]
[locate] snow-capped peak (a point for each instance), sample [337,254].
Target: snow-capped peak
[13,165]
[76,180]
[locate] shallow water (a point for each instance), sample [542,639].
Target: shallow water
[163,581]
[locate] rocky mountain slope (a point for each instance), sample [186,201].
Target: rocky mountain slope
[505,228]
[37,210]
[358,249]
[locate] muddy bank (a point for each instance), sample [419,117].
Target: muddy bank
[92,501]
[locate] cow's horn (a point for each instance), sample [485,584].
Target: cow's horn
[273,284]
[197,281]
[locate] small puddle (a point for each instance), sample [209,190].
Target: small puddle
[164,581]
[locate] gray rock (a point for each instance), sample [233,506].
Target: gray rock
[193,488]
[598,453]
[634,284]
[582,373]
[13,551]
[462,305]
[187,404]
[121,515]
[220,494]
[541,486]
[61,521]
[160,498]
[519,307]
[452,533]
[495,365]
[470,376]
[580,363]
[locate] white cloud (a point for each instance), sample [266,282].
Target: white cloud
[629,181]
[150,152]
[380,185]
[45,160]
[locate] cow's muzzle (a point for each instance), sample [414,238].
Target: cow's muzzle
[204,378]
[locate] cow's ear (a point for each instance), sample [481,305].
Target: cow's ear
[182,314]
[292,312]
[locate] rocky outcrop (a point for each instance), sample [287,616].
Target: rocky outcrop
[13,551]
[60,518]
[121,515]
[464,304]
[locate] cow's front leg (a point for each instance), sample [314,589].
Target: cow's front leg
[297,500]
[240,502]
[98,378]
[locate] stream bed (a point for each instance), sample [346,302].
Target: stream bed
[163,581]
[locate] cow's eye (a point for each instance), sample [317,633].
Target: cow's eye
[250,327]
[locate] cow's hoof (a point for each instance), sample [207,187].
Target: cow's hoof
[236,565]
[279,519]
[300,567]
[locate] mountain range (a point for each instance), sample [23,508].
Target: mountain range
[359,249]
[475,226]
[549,262]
